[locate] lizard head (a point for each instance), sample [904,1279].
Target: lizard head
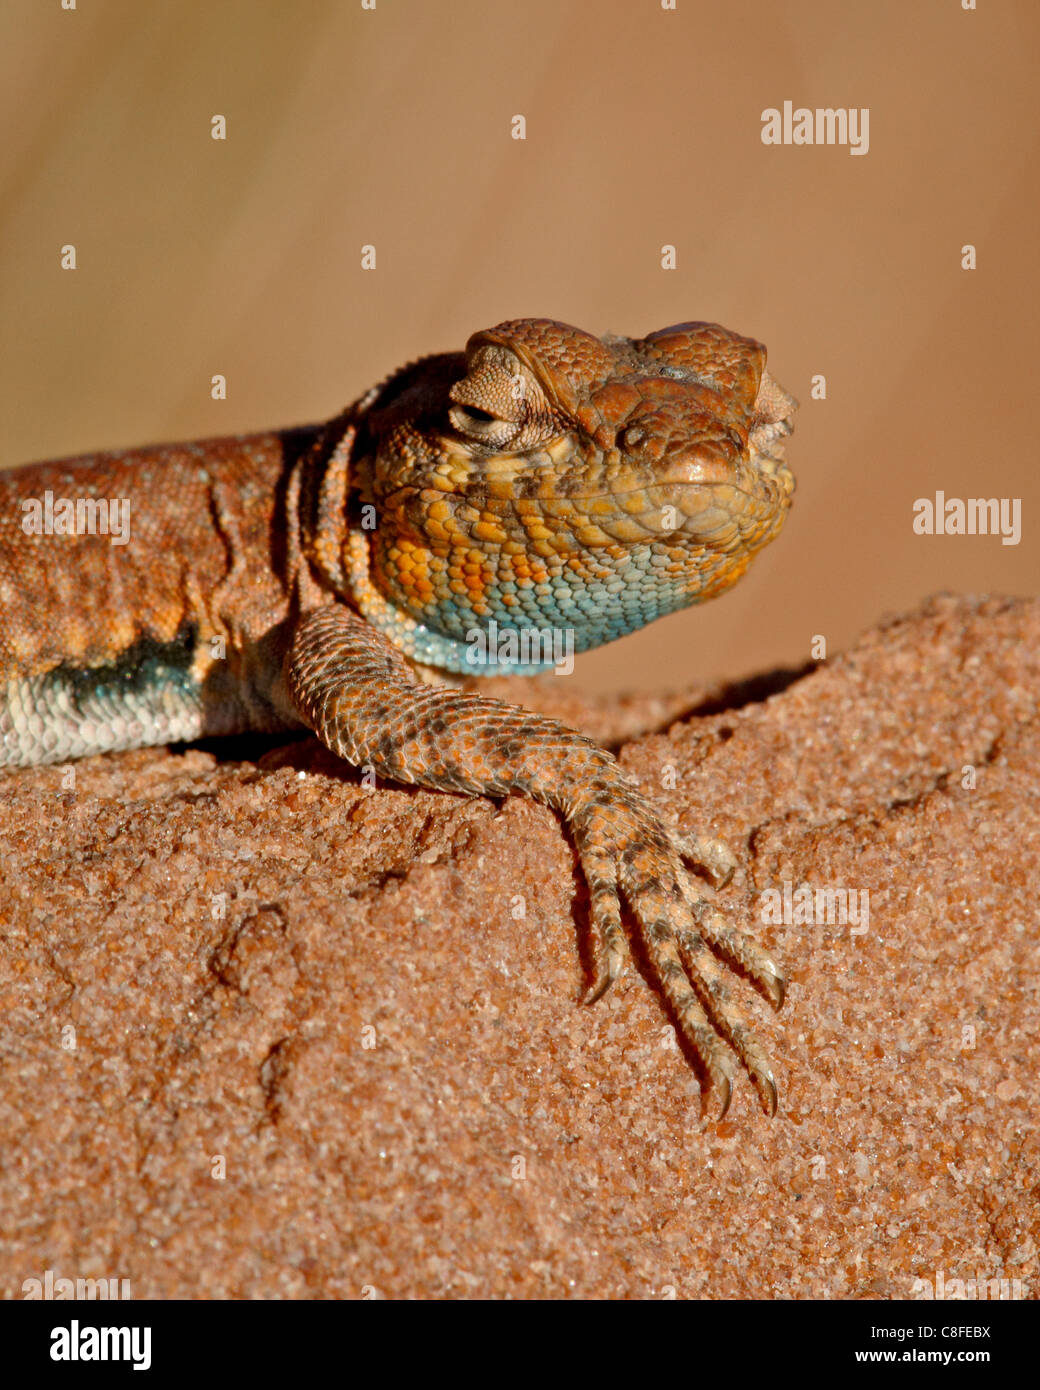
[549,477]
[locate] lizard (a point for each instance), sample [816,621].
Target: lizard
[334,577]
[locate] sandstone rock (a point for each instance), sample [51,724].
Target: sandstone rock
[267,1033]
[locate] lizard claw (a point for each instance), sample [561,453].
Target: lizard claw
[605,977]
[765,1085]
[774,984]
[766,1088]
[725,1088]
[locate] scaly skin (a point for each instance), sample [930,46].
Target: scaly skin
[331,576]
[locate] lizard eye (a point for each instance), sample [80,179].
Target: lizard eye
[471,415]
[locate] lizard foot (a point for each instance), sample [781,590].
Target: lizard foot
[626,852]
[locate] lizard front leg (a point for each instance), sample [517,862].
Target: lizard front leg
[362,699]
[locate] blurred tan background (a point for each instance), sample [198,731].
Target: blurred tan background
[392,127]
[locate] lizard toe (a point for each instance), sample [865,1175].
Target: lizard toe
[712,982]
[742,950]
[713,856]
[605,914]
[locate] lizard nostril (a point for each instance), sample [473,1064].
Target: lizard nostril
[634,435]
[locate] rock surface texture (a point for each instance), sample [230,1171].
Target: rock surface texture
[269,1033]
